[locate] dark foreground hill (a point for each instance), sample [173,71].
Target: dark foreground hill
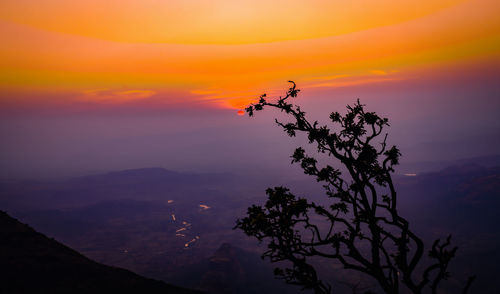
[32,263]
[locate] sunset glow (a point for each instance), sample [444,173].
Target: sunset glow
[225,53]
[173,142]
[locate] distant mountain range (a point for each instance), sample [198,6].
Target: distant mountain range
[177,227]
[147,184]
[32,263]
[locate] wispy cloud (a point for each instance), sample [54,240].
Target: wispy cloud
[115,96]
[331,77]
[378,72]
[356,82]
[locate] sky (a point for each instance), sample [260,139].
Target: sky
[94,85]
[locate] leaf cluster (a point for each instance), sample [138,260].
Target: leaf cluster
[360,227]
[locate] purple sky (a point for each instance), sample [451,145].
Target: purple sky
[430,120]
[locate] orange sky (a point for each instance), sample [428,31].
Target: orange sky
[226,52]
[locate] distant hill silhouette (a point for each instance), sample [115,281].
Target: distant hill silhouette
[32,263]
[146,184]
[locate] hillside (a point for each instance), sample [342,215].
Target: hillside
[32,263]
[141,220]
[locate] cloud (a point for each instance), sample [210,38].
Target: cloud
[332,77]
[378,72]
[203,92]
[352,82]
[114,96]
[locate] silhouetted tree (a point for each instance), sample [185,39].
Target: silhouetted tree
[361,227]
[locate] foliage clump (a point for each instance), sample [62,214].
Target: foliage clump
[361,227]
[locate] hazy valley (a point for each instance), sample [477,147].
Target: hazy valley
[178,227]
